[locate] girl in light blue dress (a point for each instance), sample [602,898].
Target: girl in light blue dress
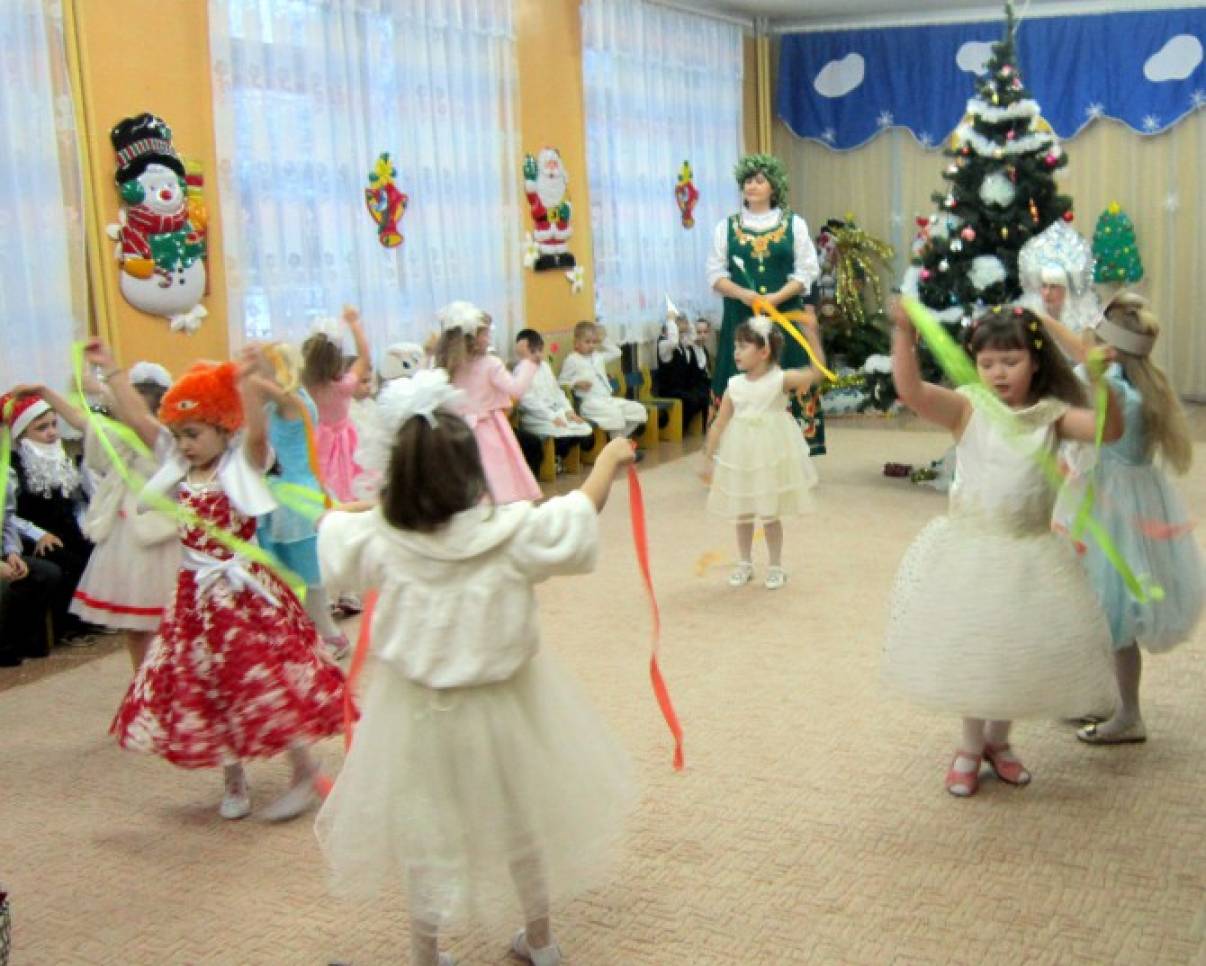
[1139,508]
[285,533]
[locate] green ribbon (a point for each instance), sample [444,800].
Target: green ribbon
[962,372]
[303,500]
[103,426]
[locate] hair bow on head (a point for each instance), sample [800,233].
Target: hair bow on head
[463,316]
[762,325]
[401,400]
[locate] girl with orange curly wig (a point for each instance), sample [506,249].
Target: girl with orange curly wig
[237,669]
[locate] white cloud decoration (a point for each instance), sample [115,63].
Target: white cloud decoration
[1175,61]
[974,56]
[839,77]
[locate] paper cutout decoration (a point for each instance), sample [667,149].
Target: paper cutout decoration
[160,247]
[385,202]
[545,183]
[686,195]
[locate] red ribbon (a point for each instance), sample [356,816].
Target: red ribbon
[359,656]
[636,507]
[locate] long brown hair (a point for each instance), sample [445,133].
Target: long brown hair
[322,361]
[1165,426]
[1012,327]
[434,473]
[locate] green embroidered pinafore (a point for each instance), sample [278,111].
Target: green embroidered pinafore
[769,258]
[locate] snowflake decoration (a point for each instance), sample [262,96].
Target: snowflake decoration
[885,119]
[828,135]
[1172,202]
[926,140]
[1151,124]
[1198,98]
[576,276]
[531,251]
[1095,110]
[897,219]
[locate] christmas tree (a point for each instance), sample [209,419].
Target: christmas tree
[1002,192]
[1115,248]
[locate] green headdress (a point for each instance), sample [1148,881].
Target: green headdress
[770,166]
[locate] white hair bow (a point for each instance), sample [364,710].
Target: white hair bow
[762,325]
[465,316]
[401,400]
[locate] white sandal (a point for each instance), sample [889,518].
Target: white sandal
[742,574]
[549,955]
[776,577]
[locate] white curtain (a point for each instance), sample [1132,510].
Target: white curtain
[307,94]
[661,87]
[41,225]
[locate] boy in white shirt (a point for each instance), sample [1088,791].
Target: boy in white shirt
[543,409]
[585,371]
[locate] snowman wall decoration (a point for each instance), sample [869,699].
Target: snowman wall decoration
[160,244]
[545,182]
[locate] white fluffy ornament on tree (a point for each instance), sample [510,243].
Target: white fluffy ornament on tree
[986,271]
[997,189]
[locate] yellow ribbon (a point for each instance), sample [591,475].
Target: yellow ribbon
[762,307]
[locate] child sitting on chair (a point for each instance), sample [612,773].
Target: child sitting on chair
[585,371]
[543,409]
[682,370]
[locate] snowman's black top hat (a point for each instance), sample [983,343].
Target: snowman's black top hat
[141,141]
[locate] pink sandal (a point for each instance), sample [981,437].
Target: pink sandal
[1009,770]
[963,779]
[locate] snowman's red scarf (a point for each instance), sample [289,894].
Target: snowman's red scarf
[141,222]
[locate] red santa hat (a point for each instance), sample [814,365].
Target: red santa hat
[19,411]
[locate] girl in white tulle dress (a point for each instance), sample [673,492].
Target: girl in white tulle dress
[992,616]
[1139,508]
[478,770]
[756,460]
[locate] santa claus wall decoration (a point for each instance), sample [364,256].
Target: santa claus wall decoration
[160,244]
[545,182]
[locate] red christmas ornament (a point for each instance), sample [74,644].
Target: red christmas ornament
[926,274]
[1010,136]
[968,233]
[1068,216]
[1052,160]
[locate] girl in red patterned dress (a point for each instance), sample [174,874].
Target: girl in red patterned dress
[237,669]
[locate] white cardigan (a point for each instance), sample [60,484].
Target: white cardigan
[456,607]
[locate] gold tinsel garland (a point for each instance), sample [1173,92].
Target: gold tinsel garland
[855,256]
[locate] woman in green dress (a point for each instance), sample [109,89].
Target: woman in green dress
[780,266]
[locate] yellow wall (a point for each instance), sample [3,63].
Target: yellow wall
[135,56]
[551,113]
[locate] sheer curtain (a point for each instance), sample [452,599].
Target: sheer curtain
[661,87]
[307,94]
[42,286]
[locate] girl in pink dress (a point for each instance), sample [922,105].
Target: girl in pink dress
[332,389]
[489,391]
[237,669]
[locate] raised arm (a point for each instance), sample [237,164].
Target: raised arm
[71,414]
[937,404]
[615,454]
[1080,423]
[255,423]
[800,380]
[363,363]
[128,405]
[1072,344]
[513,384]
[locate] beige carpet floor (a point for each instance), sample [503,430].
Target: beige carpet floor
[810,825]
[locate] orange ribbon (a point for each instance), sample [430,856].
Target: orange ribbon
[359,656]
[640,538]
